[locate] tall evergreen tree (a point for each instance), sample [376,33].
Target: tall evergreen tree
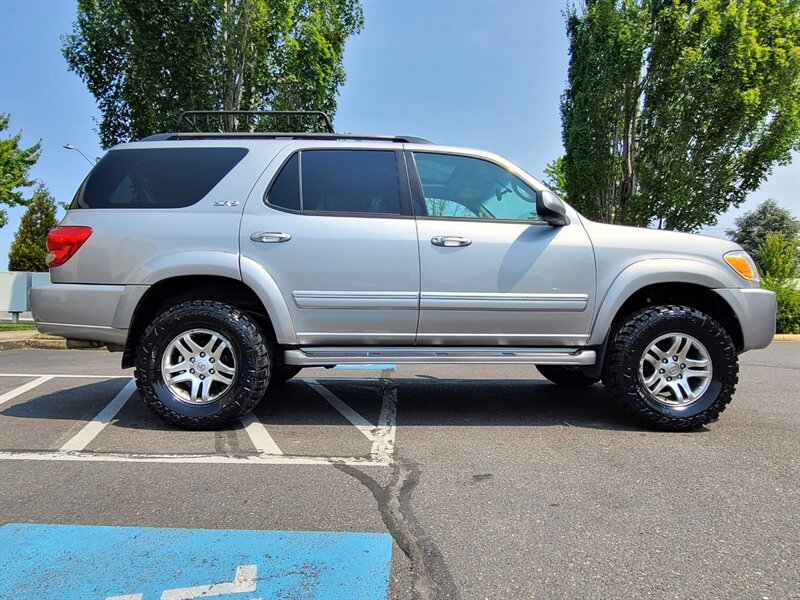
[29,248]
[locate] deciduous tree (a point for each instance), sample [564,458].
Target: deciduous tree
[751,229]
[675,110]
[15,162]
[146,62]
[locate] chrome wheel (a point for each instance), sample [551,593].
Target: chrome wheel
[199,366]
[675,370]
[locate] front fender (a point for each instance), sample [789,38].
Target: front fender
[653,271]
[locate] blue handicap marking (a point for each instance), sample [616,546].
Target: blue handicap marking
[142,563]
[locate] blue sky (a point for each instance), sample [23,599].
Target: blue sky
[470,73]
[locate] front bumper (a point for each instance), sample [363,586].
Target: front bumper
[756,310]
[99,313]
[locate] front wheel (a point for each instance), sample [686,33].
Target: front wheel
[202,365]
[674,368]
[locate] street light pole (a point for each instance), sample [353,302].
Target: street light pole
[78,150]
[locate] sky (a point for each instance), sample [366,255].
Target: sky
[484,74]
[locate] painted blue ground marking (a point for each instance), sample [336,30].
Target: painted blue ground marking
[96,562]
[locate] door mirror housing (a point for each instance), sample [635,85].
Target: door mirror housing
[551,209]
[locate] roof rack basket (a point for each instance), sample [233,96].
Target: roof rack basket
[253,121]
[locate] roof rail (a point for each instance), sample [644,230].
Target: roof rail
[223,121]
[400,139]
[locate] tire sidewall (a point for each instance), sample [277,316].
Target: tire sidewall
[226,321]
[705,331]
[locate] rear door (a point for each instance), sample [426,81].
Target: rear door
[492,273]
[333,227]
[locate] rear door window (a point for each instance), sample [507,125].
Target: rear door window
[350,181]
[156,177]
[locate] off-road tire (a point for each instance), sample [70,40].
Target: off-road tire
[565,377]
[253,358]
[632,338]
[282,374]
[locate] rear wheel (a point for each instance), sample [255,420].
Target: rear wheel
[202,365]
[672,367]
[565,376]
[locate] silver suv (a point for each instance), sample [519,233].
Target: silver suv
[220,264]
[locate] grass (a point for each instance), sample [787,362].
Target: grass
[16,326]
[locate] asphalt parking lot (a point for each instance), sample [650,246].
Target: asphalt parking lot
[406,482]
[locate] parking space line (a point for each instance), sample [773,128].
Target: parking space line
[359,422]
[18,391]
[216,459]
[383,446]
[96,425]
[259,435]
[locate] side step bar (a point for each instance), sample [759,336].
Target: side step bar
[321,356]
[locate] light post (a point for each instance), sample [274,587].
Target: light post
[78,150]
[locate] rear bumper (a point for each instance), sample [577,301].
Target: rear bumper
[756,310]
[85,312]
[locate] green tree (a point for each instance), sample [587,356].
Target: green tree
[675,110]
[751,229]
[15,162]
[780,258]
[29,248]
[554,177]
[146,62]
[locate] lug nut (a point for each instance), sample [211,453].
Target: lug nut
[683,366]
[680,376]
[202,376]
[202,354]
[211,371]
[669,378]
[675,358]
[211,360]
[191,371]
[664,360]
[661,370]
[191,359]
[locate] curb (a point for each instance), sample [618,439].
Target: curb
[786,337]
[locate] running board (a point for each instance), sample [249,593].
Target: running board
[320,356]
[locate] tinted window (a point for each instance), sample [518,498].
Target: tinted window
[156,178]
[285,190]
[463,187]
[351,181]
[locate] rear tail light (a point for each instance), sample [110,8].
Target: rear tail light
[63,242]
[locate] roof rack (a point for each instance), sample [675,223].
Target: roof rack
[277,135]
[222,121]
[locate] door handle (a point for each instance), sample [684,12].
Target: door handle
[270,237]
[450,241]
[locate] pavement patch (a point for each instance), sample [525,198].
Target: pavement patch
[137,563]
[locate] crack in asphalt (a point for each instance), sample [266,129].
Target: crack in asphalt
[432,580]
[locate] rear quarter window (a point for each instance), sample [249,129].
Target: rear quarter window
[156,177]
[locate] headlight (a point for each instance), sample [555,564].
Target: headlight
[741,262]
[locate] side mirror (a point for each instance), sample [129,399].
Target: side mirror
[551,209]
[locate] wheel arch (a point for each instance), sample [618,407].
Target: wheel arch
[173,290]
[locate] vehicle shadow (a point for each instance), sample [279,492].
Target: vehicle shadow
[421,402]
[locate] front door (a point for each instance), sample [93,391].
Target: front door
[492,273]
[334,230]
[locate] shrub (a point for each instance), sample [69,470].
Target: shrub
[788,311]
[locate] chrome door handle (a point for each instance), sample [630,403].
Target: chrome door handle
[450,241]
[269,237]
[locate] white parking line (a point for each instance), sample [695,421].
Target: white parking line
[259,435]
[96,425]
[348,413]
[24,388]
[382,434]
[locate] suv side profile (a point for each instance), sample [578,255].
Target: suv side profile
[220,264]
